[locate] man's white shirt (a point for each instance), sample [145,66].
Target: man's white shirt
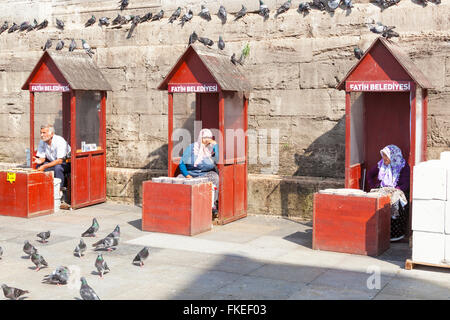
[58,149]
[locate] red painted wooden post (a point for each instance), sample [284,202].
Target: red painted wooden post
[347,138]
[103,139]
[221,164]
[246,152]
[32,129]
[73,147]
[170,132]
[425,123]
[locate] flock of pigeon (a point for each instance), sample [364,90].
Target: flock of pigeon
[61,275]
[119,21]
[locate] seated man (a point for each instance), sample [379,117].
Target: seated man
[51,155]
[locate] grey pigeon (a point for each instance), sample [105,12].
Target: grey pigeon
[73,45]
[221,43]
[47,45]
[158,16]
[115,233]
[60,45]
[101,266]
[134,24]
[263,10]
[103,21]
[304,7]
[13,28]
[4,27]
[284,7]
[141,256]
[44,235]
[193,37]
[92,229]
[117,20]
[241,13]
[28,248]
[1,252]
[32,26]
[91,21]
[107,243]
[123,4]
[222,13]
[13,293]
[358,53]
[59,24]
[86,292]
[42,25]
[87,48]
[175,15]
[333,4]
[233,59]
[146,17]
[24,26]
[205,14]
[38,260]
[186,17]
[80,248]
[378,28]
[59,276]
[318,4]
[207,42]
[348,4]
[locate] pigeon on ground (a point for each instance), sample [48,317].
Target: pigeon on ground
[304,7]
[141,256]
[58,276]
[24,26]
[73,45]
[186,17]
[28,248]
[241,13]
[205,14]
[38,260]
[59,24]
[207,42]
[221,43]
[91,21]
[103,21]
[13,28]
[42,25]
[86,292]
[333,4]
[4,27]
[107,243]
[13,293]
[101,265]
[44,235]
[47,45]
[263,10]
[175,15]
[123,4]
[115,233]
[348,4]
[92,229]
[60,45]
[134,24]
[158,16]
[87,48]
[284,7]
[358,53]
[193,37]
[146,17]
[80,248]
[1,252]
[222,13]
[32,26]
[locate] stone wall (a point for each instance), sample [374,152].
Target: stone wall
[294,65]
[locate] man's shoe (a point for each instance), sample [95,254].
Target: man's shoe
[64,206]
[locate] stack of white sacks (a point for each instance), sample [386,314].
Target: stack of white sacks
[431,211]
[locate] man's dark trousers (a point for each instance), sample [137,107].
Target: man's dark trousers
[59,170]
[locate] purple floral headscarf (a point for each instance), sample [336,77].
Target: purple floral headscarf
[389,174]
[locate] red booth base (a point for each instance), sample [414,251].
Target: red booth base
[176,208]
[26,193]
[351,224]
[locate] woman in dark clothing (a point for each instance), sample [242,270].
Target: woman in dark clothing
[393,172]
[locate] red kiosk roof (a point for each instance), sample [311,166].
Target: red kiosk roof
[200,64]
[73,69]
[384,60]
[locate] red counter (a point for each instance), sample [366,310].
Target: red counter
[26,193]
[176,208]
[351,224]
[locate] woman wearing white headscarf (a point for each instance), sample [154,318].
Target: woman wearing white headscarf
[199,160]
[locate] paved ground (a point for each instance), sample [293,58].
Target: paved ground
[258,257]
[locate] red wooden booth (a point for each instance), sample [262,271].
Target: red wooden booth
[82,89]
[219,92]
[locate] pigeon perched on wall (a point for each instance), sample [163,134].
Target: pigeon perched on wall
[304,8]
[13,28]
[32,26]
[43,236]
[1,252]
[207,42]
[175,15]
[90,232]
[90,21]
[28,248]
[158,16]
[117,20]
[384,4]
[47,45]
[134,24]
[123,4]
[86,292]
[241,13]
[348,4]
[186,17]
[333,4]
[42,25]
[13,293]
[59,24]
[60,45]
[100,265]
[233,59]
[103,21]
[358,53]
[146,17]
[59,276]
[24,26]
[284,7]
[222,13]
[87,48]
[39,261]
[205,14]
[192,38]
[378,28]
[80,248]
[221,43]
[263,10]
[318,4]
[4,27]
[141,256]
[389,33]
[73,45]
